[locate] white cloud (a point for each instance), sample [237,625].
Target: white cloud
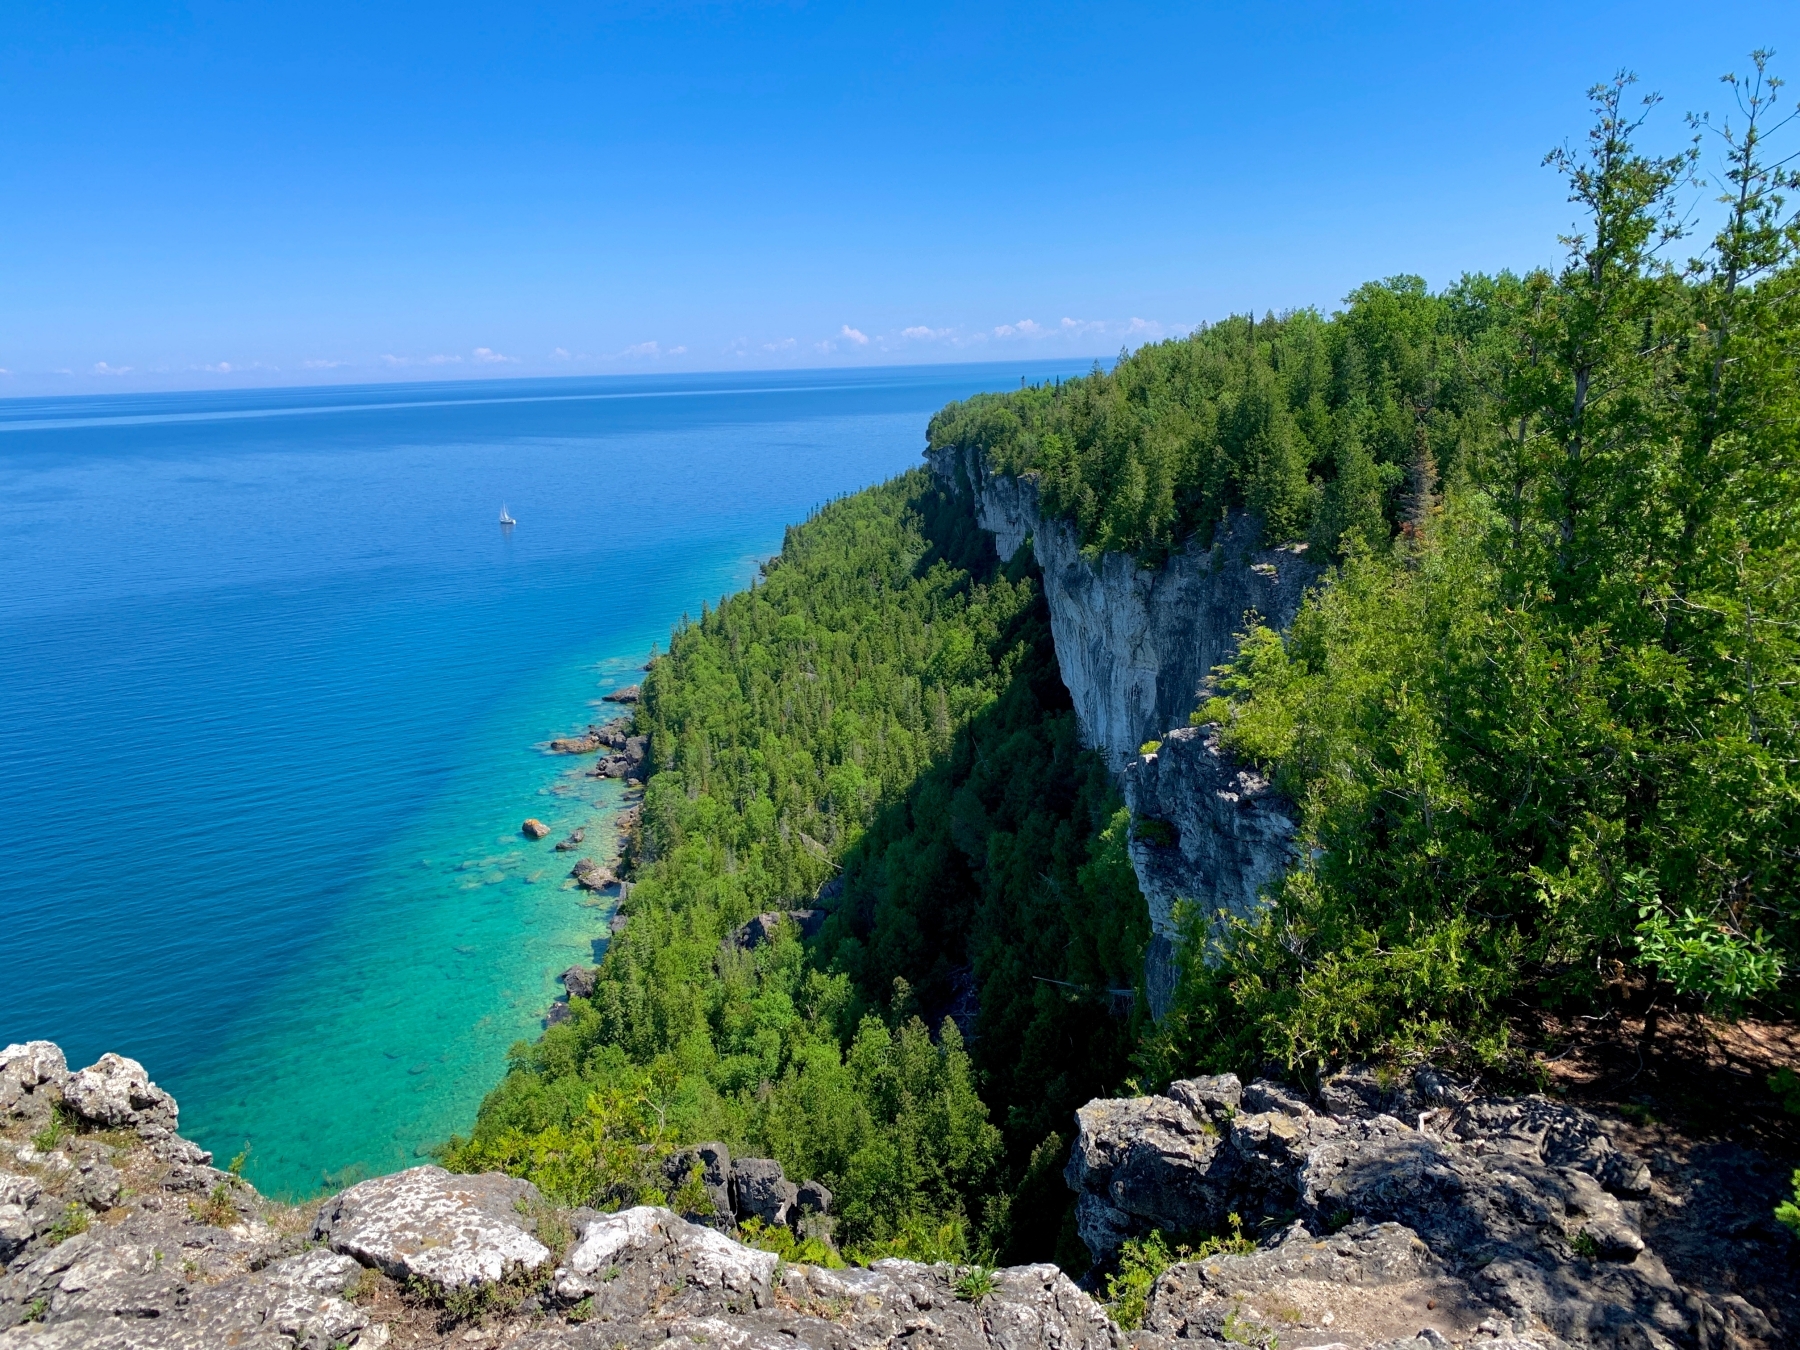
[442,360]
[101,368]
[920,333]
[323,365]
[488,356]
[4,371]
[559,354]
[850,334]
[221,368]
[677,351]
[782,345]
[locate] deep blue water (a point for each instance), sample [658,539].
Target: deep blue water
[272,682]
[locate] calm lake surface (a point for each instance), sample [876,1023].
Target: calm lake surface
[272,686]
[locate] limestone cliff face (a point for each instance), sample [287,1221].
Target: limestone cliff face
[1134,645]
[1221,834]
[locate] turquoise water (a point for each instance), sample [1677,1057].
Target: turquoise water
[272,686]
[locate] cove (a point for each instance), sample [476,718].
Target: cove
[272,686]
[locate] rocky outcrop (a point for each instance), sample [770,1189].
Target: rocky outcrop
[708,1290]
[534,828]
[712,1160]
[31,1079]
[116,1093]
[1134,645]
[1499,1216]
[118,1234]
[450,1231]
[760,929]
[122,1236]
[631,693]
[579,981]
[1368,1284]
[1207,830]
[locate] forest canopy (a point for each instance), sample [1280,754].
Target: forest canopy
[1540,722]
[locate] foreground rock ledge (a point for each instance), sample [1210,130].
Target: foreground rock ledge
[1448,1217]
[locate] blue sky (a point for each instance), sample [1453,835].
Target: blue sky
[207,194]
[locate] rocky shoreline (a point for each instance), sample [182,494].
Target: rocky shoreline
[622,753]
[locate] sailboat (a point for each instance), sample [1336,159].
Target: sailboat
[504,518]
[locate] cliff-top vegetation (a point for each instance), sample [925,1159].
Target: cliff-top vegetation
[1542,722]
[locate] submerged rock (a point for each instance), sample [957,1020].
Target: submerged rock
[593,875]
[534,828]
[584,744]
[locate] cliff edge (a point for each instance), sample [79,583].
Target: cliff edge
[1134,645]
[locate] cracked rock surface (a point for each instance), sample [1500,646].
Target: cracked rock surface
[1475,1217]
[1411,1219]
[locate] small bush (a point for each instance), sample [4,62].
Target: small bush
[1156,833]
[1788,1211]
[975,1283]
[788,1245]
[218,1209]
[74,1220]
[58,1128]
[1785,1084]
[1141,1260]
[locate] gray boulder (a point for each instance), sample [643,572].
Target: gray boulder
[31,1076]
[1365,1285]
[116,1093]
[1216,1098]
[1144,1163]
[425,1223]
[714,1161]
[579,981]
[814,1197]
[762,1191]
[1524,1201]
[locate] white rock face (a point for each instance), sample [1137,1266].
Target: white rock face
[704,1258]
[647,1277]
[1134,644]
[117,1093]
[454,1231]
[1233,835]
